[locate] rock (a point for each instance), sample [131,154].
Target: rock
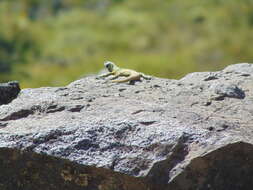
[158,134]
[229,167]
[228,90]
[243,68]
[8,91]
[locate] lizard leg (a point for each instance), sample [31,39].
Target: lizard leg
[146,76]
[130,78]
[115,77]
[104,75]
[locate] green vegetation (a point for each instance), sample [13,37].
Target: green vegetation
[53,42]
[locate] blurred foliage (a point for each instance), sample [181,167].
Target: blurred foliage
[53,42]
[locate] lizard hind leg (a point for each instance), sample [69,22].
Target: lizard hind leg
[131,78]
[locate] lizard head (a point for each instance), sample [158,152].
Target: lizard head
[110,66]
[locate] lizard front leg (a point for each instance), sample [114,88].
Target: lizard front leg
[115,77]
[105,75]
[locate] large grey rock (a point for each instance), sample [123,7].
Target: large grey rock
[193,133]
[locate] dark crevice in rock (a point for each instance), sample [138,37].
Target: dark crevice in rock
[55,108]
[212,77]
[147,122]
[2,125]
[23,113]
[76,108]
[18,115]
[138,111]
[61,89]
[160,173]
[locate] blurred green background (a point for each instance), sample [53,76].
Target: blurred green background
[53,42]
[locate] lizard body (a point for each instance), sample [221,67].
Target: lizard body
[131,75]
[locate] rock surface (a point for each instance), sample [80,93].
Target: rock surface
[193,133]
[8,91]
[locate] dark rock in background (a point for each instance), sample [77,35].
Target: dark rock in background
[193,133]
[8,91]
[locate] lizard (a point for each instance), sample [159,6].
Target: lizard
[131,75]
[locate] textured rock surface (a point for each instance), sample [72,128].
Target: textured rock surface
[8,91]
[193,133]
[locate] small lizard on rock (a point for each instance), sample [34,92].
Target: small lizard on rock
[130,75]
